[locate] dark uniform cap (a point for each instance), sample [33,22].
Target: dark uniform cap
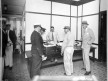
[85,22]
[35,26]
[67,27]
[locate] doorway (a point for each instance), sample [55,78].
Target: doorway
[103,36]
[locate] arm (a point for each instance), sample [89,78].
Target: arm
[92,37]
[64,45]
[39,43]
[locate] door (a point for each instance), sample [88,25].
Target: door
[103,36]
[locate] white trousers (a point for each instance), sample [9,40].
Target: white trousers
[86,59]
[9,56]
[68,63]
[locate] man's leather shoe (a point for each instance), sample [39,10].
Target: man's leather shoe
[10,68]
[83,69]
[87,73]
[66,74]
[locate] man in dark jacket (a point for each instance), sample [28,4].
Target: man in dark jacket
[11,37]
[36,51]
[3,45]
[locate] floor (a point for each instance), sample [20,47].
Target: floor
[55,70]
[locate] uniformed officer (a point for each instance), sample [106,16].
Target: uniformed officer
[35,60]
[67,50]
[87,40]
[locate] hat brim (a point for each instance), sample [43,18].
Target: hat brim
[85,23]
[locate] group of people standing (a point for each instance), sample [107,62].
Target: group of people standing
[67,48]
[8,46]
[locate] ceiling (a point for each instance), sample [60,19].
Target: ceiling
[72,2]
[13,7]
[16,7]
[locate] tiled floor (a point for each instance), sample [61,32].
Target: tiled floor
[20,72]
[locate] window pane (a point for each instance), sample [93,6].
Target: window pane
[73,10]
[80,10]
[59,8]
[79,28]
[33,19]
[73,25]
[59,22]
[91,8]
[38,6]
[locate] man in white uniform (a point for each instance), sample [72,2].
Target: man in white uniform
[9,48]
[87,40]
[53,38]
[67,50]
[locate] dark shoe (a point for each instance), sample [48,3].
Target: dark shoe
[66,74]
[56,60]
[52,60]
[83,69]
[6,67]
[10,68]
[87,73]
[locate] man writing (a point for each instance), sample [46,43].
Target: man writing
[53,38]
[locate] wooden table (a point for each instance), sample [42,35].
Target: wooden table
[55,51]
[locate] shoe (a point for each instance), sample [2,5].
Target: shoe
[5,80]
[6,67]
[87,73]
[66,74]
[52,60]
[55,60]
[83,69]
[10,68]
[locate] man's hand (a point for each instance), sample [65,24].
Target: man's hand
[61,52]
[43,58]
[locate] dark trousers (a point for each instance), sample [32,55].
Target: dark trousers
[34,65]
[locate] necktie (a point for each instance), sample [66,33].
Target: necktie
[8,35]
[52,37]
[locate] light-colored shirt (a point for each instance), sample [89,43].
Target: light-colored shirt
[8,36]
[54,38]
[68,41]
[87,38]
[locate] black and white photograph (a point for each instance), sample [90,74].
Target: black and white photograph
[53,40]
